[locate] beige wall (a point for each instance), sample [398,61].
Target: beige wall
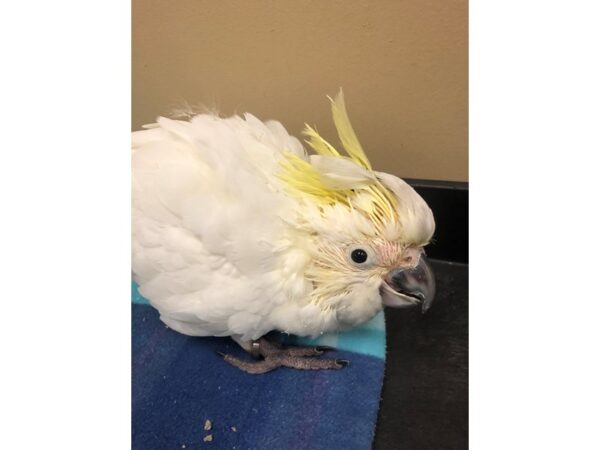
[402,64]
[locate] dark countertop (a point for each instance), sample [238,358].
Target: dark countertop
[425,392]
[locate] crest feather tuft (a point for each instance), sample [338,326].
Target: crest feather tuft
[346,132]
[330,177]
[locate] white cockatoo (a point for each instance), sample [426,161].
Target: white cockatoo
[238,231]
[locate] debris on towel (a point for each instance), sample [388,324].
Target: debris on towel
[207,425]
[208,438]
[234,429]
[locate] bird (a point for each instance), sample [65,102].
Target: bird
[238,230]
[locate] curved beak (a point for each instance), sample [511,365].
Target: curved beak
[409,287]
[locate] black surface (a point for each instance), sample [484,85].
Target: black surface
[449,201]
[425,392]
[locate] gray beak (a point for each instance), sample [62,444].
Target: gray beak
[409,287]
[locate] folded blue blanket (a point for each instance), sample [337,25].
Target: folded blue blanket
[178,383]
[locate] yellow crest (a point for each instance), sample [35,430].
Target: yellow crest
[311,181]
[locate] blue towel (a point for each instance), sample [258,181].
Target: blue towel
[178,382]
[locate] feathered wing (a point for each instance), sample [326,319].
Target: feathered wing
[207,230]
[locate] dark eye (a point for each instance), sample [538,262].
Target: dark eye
[359,256]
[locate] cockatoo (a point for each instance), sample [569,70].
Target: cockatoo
[239,231]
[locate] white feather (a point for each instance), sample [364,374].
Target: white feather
[341,173]
[206,221]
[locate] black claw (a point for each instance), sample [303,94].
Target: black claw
[221,354]
[342,362]
[324,348]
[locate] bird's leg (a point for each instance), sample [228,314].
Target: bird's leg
[253,367]
[274,356]
[314,364]
[270,348]
[307,351]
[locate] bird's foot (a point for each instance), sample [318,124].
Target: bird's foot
[273,356]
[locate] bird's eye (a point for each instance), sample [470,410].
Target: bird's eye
[359,255]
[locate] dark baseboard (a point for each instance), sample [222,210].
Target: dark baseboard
[449,201]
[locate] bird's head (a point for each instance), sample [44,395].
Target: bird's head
[365,230]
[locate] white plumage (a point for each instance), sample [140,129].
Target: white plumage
[222,246]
